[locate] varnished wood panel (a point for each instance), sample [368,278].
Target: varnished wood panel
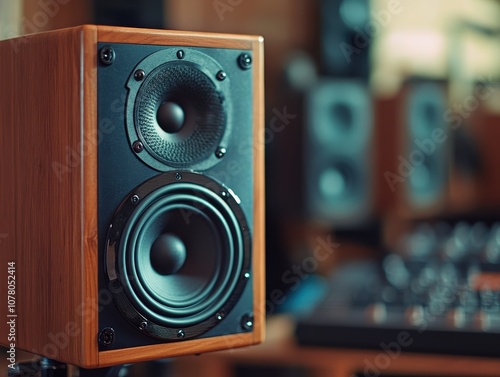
[174,38]
[259,193]
[189,347]
[88,78]
[41,192]
[48,191]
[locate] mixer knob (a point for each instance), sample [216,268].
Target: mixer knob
[415,315]
[456,317]
[376,313]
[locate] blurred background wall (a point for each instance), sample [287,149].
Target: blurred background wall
[389,114]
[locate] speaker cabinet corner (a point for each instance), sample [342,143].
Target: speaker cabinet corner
[133,192]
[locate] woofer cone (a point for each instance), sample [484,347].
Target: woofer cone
[174,215]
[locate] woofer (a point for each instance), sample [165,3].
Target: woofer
[177,253]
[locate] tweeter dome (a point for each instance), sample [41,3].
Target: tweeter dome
[132,212]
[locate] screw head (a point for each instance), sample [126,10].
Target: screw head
[220,152]
[137,146]
[143,325]
[181,54]
[224,194]
[135,199]
[107,55]
[139,75]
[178,176]
[221,75]
[220,315]
[107,336]
[245,61]
[247,322]
[181,334]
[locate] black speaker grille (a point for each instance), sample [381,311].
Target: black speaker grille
[205,118]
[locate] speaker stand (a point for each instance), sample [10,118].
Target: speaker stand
[50,368]
[43,367]
[116,371]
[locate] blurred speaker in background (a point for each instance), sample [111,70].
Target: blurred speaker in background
[475,182]
[345,50]
[422,175]
[338,150]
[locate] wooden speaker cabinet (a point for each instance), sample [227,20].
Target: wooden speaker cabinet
[475,182]
[132,193]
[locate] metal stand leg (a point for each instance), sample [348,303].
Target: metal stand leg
[49,368]
[116,371]
[43,368]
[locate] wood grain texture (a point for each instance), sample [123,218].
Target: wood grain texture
[188,347]
[480,189]
[41,169]
[259,193]
[174,38]
[48,192]
[89,283]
